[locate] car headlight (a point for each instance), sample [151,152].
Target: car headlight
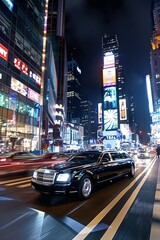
[35,174]
[63,177]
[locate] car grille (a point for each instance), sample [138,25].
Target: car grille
[46,177]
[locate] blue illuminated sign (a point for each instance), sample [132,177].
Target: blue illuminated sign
[9,4]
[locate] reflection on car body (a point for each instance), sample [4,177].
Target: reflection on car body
[21,161]
[81,172]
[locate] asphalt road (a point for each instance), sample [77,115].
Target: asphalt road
[120,210]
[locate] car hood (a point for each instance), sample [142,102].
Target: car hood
[62,166]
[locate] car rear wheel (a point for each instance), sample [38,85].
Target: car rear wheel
[132,171]
[85,187]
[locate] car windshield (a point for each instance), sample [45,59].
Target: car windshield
[87,157]
[142,151]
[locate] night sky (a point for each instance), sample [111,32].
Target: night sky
[86,23]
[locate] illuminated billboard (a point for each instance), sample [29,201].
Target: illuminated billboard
[9,4]
[155,117]
[110,119]
[149,93]
[122,109]
[99,113]
[3,52]
[108,60]
[110,98]
[109,76]
[33,95]
[21,65]
[19,87]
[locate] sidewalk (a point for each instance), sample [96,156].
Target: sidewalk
[155,228]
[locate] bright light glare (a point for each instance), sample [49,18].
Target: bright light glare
[34,174]
[148,83]
[63,177]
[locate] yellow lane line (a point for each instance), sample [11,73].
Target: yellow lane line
[24,185]
[14,180]
[111,231]
[17,183]
[86,230]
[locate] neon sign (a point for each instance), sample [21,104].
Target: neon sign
[21,66]
[3,52]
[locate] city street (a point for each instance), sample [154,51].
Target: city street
[122,209]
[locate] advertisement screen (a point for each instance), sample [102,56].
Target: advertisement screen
[33,95]
[19,87]
[109,76]
[108,60]
[99,113]
[122,109]
[110,98]
[9,4]
[155,131]
[110,119]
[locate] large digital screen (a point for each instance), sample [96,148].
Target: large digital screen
[156,117]
[108,60]
[99,113]
[110,119]
[9,4]
[19,87]
[33,95]
[109,76]
[122,109]
[110,98]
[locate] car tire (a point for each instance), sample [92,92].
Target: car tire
[85,187]
[132,171]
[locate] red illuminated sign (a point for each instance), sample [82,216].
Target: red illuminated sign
[21,66]
[3,52]
[18,63]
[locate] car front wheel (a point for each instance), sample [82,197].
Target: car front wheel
[132,171]
[85,187]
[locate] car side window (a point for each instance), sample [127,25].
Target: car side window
[124,155]
[117,156]
[106,158]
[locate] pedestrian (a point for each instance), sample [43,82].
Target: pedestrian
[158,151]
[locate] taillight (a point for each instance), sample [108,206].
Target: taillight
[3,159]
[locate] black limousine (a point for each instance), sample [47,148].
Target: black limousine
[81,172]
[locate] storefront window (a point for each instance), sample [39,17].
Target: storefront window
[1,99]
[22,107]
[30,111]
[6,101]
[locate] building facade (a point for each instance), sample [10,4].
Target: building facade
[21,34]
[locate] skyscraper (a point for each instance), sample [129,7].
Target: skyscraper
[114,95]
[56,69]
[155,53]
[73,92]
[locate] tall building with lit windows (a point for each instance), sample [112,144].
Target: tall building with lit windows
[73,92]
[155,59]
[56,72]
[114,107]
[154,79]
[21,42]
